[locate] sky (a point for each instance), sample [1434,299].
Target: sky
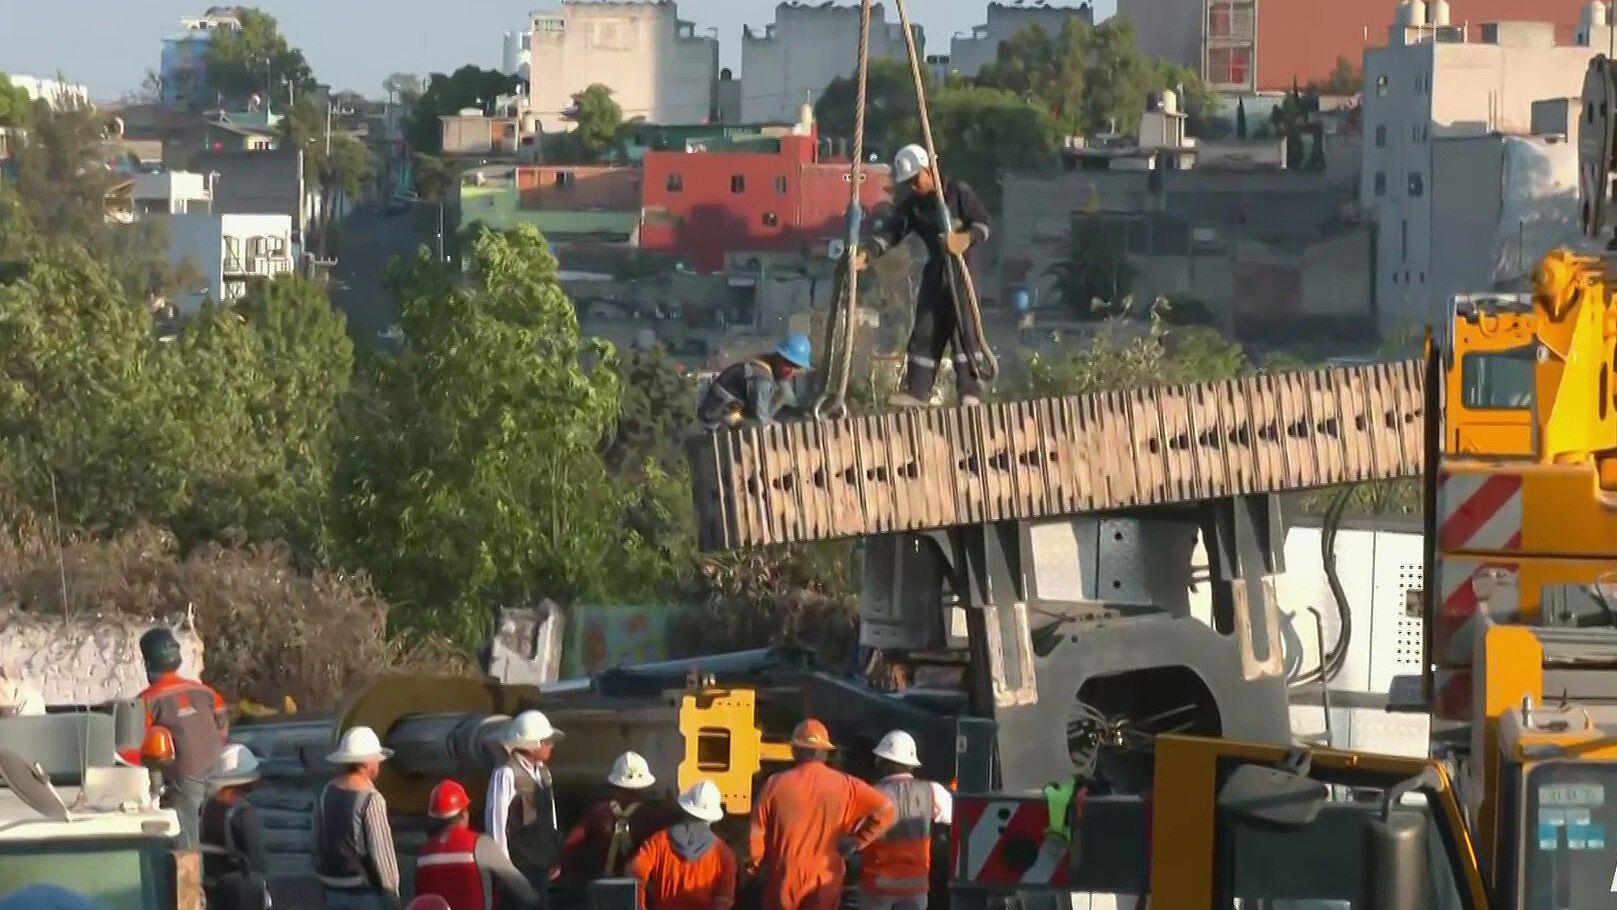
[351,44]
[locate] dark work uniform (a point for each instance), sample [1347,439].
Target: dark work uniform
[935,309]
[235,882]
[744,392]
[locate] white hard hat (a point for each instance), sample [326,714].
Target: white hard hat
[359,744]
[910,161]
[702,801]
[631,772]
[898,747]
[235,765]
[530,728]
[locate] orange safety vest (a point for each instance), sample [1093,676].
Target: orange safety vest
[899,863]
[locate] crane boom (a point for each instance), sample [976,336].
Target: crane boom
[944,467]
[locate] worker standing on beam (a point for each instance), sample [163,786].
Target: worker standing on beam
[609,832]
[755,391]
[520,812]
[897,868]
[685,866]
[806,820]
[937,323]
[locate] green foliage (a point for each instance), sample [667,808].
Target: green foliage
[1095,268]
[469,86]
[890,114]
[478,479]
[1344,79]
[255,60]
[1124,354]
[16,109]
[597,120]
[1240,119]
[982,131]
[1290,118]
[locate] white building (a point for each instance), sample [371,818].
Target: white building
[230,251]
[656,64]
[970,53]
[516,53]
[1427,86]
[808,46]
[55,92]
[172,193]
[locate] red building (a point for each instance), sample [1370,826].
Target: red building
[777,195]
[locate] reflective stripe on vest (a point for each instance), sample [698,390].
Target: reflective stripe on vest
[447,867]
[899,864]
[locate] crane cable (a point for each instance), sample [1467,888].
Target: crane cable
[967,311]
[839,329]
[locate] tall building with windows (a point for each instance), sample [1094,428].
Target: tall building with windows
[656,64]
[1428,87]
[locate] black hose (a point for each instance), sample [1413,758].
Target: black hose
[1330,664]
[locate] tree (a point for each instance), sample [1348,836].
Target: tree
[255,59]
[889,110]
[1344,79]
[468,86]
[1240,119]
[1290,119]
[404,88]
[1033,64]
[597,120]
[1123,354]
[343,172]
[16,108]
[982,131]
[479,479]
[1095,273]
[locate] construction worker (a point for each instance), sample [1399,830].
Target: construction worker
[237,878]
[194,715]
[897,866]
[461,866]
[935,314]
[609,832]
[806,820]
[685,866]
[520,812]
[756,390]
[353,851]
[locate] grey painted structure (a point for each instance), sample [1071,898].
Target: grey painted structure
[968,54]
[798,55]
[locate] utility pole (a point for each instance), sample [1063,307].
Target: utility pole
[440,230]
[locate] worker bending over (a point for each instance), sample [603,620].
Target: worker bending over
[237,878]
[936,319]
[685,866]
[353,845]
[897,866]
[610,831]
[521,807]
[461,866]
[806,820]
[194,716]
[757,390]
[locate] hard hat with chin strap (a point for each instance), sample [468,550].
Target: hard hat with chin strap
[797,350]
[910,161]
[898,747]
[631,772]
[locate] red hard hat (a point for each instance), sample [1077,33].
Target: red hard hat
[448,800]
[429,901]
[811,734]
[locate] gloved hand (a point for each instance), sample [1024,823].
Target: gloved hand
[959,241]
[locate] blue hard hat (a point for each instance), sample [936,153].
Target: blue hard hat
[796,349]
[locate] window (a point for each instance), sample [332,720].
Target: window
[564,179]
[738,183]
[780,186]
[1381,136]
[1499,380]
[771,220]
[676,183]
[1381,86]
[1417,185]
[1381,183]
[130,873]
[1229,65]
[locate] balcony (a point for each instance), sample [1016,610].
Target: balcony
[257,266]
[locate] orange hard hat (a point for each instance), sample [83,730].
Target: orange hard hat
[157,747]
[429,902]
[811,734]
[448,800]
